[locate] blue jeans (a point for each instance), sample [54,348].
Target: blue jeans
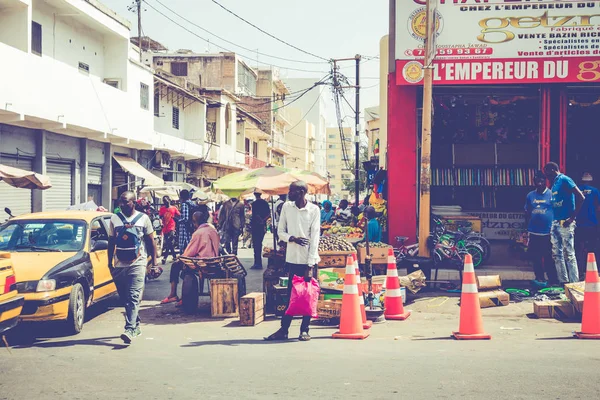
[563,252]
[130,285]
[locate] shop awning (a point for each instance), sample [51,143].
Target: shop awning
[134,168]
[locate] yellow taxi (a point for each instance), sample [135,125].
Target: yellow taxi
[11,303]
[61,263]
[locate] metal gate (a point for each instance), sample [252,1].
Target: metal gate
[60,195]
[18,200]
[94,175]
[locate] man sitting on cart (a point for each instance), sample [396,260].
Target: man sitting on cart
[204,244]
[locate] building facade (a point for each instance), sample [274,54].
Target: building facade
[301,140]
[339,159]
[76,105]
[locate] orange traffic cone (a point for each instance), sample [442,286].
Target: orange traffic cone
[471,324]
[394,309]
[350,321]
[590,321]
[361,296]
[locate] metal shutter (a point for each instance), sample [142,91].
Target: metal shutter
[59,196]
[94,175]
[18,200]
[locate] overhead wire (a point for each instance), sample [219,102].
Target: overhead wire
[222,47]
[268,34]
[233,43]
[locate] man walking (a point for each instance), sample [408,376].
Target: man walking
[131,239]
[186,225]
[586,233]
[231,223]
[300,227]
[539,213]
[566,202]
[258,223]
[168,213]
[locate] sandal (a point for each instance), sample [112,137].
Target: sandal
[179,303]
[168,300]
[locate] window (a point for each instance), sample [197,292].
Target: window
[254,149]
[331,156]
[144,96]
[332,146]
[83,67]
[246,79]
[36,38]
[156,105]
[175,117]
[52,235]
[179,68]
[332,186]
[332,136]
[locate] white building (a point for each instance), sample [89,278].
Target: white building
[73,96]
[314,106]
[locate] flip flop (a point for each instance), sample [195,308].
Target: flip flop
[168,300]
[179,303]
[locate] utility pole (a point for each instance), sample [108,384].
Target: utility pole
[425,178]
[357,135]
[139,13]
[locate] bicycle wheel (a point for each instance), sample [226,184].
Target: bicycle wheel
[476,253]
[485,245]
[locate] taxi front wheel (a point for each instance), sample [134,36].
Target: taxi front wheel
[76,309]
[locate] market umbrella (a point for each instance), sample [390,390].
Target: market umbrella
[21,178]
[269,180]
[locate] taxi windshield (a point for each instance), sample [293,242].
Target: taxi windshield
[42,236]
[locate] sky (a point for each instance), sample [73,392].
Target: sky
[325,28]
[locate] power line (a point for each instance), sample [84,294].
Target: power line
[267,33]
[232,43]
[224,48]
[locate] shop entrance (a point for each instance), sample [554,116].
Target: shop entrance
[583,133]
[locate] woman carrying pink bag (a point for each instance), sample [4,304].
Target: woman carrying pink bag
[300,227]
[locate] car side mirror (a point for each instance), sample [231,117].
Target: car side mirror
[100,245]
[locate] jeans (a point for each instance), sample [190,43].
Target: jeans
[169,245]
[258,235]
[130,285]
[231,239]
[563,252]
[540,253]
[286,320]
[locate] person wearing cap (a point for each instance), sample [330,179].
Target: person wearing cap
[586,233]
[539,214]
[567,200]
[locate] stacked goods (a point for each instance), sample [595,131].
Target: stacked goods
[347,231]
[378,252]
[490,292]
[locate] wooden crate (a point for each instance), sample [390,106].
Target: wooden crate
[329,309]
[224,298]
[331,259]
[252,309]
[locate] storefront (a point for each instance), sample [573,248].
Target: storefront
[512,81]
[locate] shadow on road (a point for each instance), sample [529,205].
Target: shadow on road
[558,338]
[103,341]
[435,338]
[238,342]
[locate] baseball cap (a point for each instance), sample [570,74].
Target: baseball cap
[587,177]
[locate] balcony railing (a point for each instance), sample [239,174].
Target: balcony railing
[254,163]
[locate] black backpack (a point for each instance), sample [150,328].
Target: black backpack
[128,243]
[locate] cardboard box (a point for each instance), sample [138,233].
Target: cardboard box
[495,298]
[332,278]
[575,292]
[379,255]
[559,309]
[489,282]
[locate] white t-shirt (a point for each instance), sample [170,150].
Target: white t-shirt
[143,227]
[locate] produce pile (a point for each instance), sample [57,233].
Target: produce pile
[348,231]
[333,243]
[376,245]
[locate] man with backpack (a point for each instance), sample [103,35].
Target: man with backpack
[130,243]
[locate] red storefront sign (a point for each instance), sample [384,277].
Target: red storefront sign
[502,71]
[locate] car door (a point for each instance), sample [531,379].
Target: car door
[103,281]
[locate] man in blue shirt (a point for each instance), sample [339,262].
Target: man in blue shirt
[539,214]
[567,200]
[586,234]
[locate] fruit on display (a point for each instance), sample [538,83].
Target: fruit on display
[334,243]
[343,230]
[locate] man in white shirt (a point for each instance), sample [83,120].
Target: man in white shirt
[300,227]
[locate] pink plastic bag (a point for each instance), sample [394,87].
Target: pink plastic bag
[304,297]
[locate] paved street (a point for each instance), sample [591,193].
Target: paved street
[181,357]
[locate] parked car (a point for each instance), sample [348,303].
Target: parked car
[11,303]
[61,263]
